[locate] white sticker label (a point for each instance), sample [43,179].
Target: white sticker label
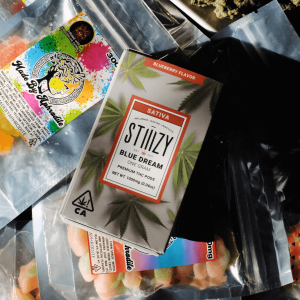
[20,114]
[145,149]
[101,254]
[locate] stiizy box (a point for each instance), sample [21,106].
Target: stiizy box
[141,153]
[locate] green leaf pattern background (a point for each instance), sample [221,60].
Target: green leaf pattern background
[122,214]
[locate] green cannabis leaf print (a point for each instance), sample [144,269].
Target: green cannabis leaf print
[170,213]
[113,114]
[183,83]
[96,165]
[201,93]
[185,162]
[193,100]
[132,208]
[139,69]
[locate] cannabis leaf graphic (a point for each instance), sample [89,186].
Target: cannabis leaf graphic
[183,82]
[185,162]
[82,202]
[170,213]
[96,163]
[129,205]
[139,69]
[113,114]
[201,93]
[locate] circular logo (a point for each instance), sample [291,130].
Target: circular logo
[83,32]
[59,76]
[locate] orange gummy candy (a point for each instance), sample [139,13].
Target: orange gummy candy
[108,295]
[119,290]
[200,270]
[106,282]
[78,240]
[132,279]
[163,276]
[217,281]
[6,127]
[215,268]
[37,294]
[17,6]
[16,294]
[85,267]
[6,142]
[201,284]
[147,273]
[183,273]
[28,280]
[11,49]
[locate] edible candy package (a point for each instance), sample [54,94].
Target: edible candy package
[56,80]
[244,266]
[64,247]
[35,173]
[18,272]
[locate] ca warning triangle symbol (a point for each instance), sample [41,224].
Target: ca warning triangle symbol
[84,201]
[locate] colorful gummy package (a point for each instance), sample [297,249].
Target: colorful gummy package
[238,214]
[63,263]
[200,275]
[9,50]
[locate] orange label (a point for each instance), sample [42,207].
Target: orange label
[174,70]
[145,149]
[157,113]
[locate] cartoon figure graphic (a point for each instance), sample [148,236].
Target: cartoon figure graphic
[66,69]
[64,79]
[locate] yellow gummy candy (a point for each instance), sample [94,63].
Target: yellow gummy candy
[132,279]
[6,142]
[6,127]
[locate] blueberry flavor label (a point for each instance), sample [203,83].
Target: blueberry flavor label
[145,149]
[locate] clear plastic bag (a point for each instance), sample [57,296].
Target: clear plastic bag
[247,217]
[35,173]
[11,7]
[133,22]
[272,44]
[288,292]
[257,204]
[18,274]
[265,32]
[61,270]
[189,38]
[53,254]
